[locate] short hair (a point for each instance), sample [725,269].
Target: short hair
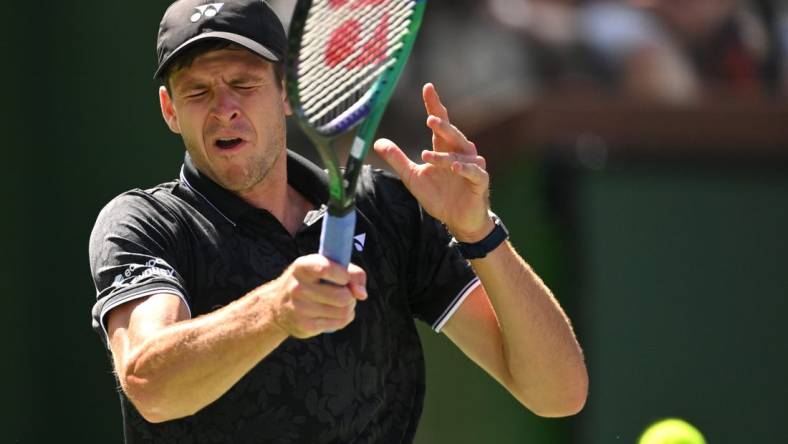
[187,57]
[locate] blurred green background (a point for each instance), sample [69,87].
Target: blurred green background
[666,243]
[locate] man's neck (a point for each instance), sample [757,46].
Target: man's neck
[275,195]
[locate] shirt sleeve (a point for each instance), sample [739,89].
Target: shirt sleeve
[131,254]
[436,278]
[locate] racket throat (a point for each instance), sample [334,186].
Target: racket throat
[339,210]
[350,178]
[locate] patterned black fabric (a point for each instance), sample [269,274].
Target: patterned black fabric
[362,384]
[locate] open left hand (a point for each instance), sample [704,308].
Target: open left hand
[452,183]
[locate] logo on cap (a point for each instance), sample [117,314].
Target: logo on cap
[208,10]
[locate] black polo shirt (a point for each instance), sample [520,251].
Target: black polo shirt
[362,384]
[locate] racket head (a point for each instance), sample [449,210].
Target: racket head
[344,58]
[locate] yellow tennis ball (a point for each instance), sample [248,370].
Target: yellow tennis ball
[672,431]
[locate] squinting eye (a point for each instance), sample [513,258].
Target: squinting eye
[194,94]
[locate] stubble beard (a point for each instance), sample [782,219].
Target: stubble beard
[256,171]
[239,178]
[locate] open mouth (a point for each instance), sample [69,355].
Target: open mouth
[229,143]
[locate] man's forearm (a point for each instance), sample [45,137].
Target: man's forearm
[544,360]
[171,366]
[177,370]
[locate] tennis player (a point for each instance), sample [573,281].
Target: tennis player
[225,327]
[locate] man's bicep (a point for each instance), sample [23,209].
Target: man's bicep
[133,254]
[474,329]
[129,324]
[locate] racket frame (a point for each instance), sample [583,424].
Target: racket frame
[338,227]
[342,184]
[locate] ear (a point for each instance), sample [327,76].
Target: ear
[168,110]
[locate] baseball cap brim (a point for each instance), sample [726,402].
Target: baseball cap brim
[218,35]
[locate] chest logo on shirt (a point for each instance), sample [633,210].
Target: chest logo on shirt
[358,241]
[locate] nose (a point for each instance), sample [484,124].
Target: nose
[225,106]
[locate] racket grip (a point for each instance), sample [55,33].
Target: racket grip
[336,237]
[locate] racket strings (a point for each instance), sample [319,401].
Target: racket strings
[323,108]
[337,89]
[373,49]
[314,46]
[324,17]
[315,39]
[316,68]
[344,51]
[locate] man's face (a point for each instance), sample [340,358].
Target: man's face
[230,111]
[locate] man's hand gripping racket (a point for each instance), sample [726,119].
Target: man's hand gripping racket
[344,59]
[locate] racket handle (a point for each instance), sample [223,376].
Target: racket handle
[336,237]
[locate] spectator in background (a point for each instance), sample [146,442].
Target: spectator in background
[481,66]
[485,71]
[680,50]
[674,51]
[550,30]
[636,56]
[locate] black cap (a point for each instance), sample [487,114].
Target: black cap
[249,23]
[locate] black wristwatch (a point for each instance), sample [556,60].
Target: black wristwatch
[478,250]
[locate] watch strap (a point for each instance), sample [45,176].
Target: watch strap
[480,249]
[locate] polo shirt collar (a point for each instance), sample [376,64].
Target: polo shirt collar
[303,175]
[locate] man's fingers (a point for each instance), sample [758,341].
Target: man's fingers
[312,309]
[473,173]
[314,268]
[432,102]
[358,291]
[326,325]
[447,137]
[394,156]
[445,160]
[358,282]
[330,294]
[319,296]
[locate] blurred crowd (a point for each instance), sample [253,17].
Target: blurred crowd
[674,51]
[491,57]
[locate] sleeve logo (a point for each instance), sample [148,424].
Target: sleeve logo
[134,273]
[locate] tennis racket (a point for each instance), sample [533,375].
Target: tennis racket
[344,58]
